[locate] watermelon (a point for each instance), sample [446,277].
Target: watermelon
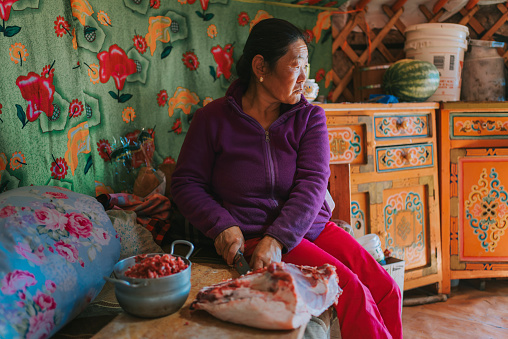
[411,80]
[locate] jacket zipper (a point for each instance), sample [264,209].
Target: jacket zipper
[268,148]
[270,168]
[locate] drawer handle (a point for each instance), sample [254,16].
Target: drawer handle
[401,124]
[405,156]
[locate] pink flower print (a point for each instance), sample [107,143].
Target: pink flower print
[177,126]
[21,295]
[52,219]
[204,4]
[36,256]
[224,59]
[41,324]
[17,281]
[78,225]
[48,72]
[7,211]
[190,60]
[59,168]
[45,302]
[69,252]
[61,26]
[56,195]
[104,149]
[75,108]
[162,97]
[38,91]
[320,75]
[16,221]
[50,286]
[5,9]
[115,63]
[476,211]
[102,237]
[502,210]
[243,19]
[140,43]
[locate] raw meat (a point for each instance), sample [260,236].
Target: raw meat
[156,266]
[281,296]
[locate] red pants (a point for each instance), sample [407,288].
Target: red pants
[370,304]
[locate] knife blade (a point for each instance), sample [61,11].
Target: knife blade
[241,264]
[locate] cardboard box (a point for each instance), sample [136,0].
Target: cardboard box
[395,267]
[368,80]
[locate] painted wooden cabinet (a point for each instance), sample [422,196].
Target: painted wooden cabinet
[391,149]
[474,190]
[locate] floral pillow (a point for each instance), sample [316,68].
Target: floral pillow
[55,248]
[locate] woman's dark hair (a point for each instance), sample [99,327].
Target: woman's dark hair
[269,38]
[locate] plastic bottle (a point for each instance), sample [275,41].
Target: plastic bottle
[372,244]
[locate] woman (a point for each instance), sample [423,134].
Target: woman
[252,175]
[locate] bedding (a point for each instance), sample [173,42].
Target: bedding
[55,247]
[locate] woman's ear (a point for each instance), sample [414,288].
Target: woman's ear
[259,66]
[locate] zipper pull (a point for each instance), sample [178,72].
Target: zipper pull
[267,137]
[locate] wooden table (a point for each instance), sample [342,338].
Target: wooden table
[184,324]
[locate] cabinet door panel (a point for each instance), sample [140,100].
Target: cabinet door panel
[479,209]
[399,212]
[405,220]
[483,208]
[360,214]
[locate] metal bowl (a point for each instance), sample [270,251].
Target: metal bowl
[152,298]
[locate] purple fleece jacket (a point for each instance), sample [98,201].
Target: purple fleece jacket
[231,171]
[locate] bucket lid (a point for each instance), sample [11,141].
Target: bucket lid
[433,25]
[485,43]
[437,31]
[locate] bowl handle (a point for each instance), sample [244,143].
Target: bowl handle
[125,282]
[184,242]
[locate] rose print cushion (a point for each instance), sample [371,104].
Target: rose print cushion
[55,248]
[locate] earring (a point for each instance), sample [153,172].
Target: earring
[261,79]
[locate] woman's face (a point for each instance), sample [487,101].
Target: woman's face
[285,82]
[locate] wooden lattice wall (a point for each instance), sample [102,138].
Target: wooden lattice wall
[370,47]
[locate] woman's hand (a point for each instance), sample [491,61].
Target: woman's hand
[228,242]
[268,250]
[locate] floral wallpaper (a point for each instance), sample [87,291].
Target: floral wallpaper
[91,90]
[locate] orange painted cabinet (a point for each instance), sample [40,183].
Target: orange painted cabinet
[474,190]
[391,149]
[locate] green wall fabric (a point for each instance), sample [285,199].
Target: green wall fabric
[81,78]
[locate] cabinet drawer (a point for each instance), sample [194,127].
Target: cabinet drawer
[404,157]
[479,125]
[347,144]
[401,126]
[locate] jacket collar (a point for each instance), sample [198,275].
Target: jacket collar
[237,88]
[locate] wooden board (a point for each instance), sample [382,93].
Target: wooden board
[184,324]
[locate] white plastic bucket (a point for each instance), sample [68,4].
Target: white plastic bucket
[443,45]
[372,244]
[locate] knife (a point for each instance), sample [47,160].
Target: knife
[240,263]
